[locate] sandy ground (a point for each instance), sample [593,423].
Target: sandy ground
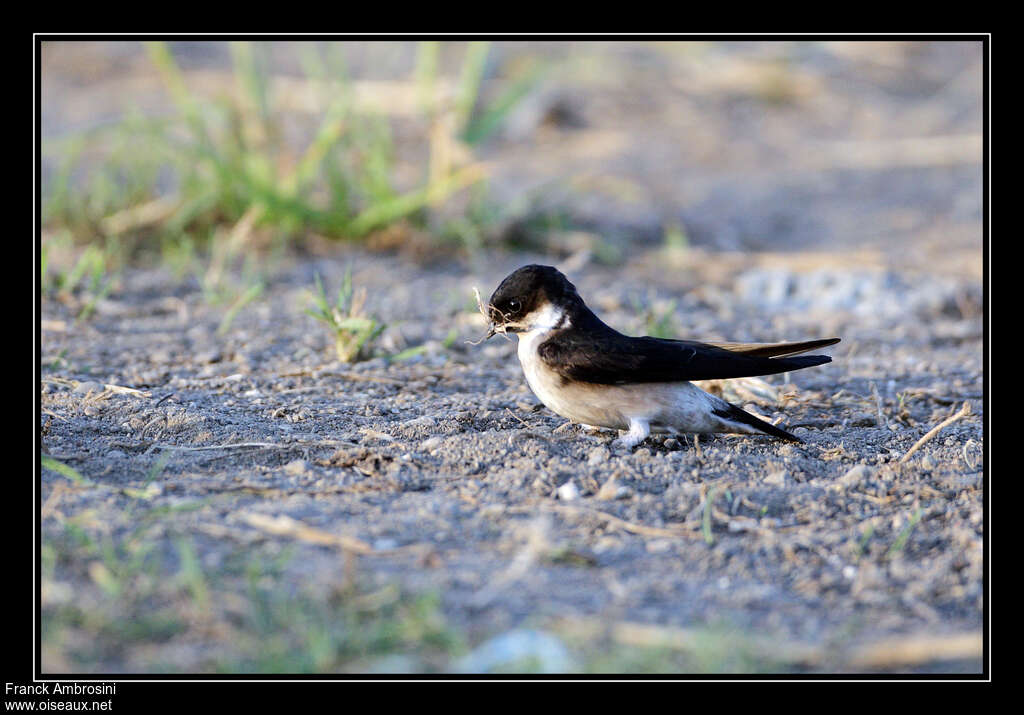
[441,474]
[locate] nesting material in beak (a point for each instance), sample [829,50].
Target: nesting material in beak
[492,329]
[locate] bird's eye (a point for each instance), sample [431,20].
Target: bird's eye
[513,306]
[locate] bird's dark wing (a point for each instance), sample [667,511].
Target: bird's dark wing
[610,358]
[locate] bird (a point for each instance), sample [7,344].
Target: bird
[595,376]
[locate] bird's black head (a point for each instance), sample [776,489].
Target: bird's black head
[528,293]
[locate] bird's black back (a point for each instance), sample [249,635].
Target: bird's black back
[590,351]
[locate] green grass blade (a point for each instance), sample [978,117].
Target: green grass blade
[705,525]
[64,470]
[427,58]
[385,212]
[469,82]
[489,121]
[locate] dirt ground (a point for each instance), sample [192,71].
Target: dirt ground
[239,492]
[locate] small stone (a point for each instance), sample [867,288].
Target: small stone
[597,456]
[84,388]
[853,477]
[296,467]
[606,543]
[424,422]
[777,479]
[568,491]
[544,652]
[863,419]
[608,490]
[430,444]
[658,546]
[671,443]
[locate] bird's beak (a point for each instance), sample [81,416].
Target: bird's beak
[491,331]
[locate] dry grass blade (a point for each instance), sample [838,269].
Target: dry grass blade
[964,411]
[918,649]
[685,640]
[140,216]
[119,389]
[517,417]
[487,318]
[237,445]
[286,526]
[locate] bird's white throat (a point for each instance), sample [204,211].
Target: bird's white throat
[539,324]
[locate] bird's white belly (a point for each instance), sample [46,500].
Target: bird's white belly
[666,406]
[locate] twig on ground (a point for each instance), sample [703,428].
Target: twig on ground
[241,445]
[517,417]
[237,445]
[964,411]
[120,389]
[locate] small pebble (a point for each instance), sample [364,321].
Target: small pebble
[608,490]
[84,388]
[296,467]
[777,479]
[854,476]
[597,456]
[209,356]
[568,491]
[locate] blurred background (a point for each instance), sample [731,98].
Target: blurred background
[208,207]
[173,152]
